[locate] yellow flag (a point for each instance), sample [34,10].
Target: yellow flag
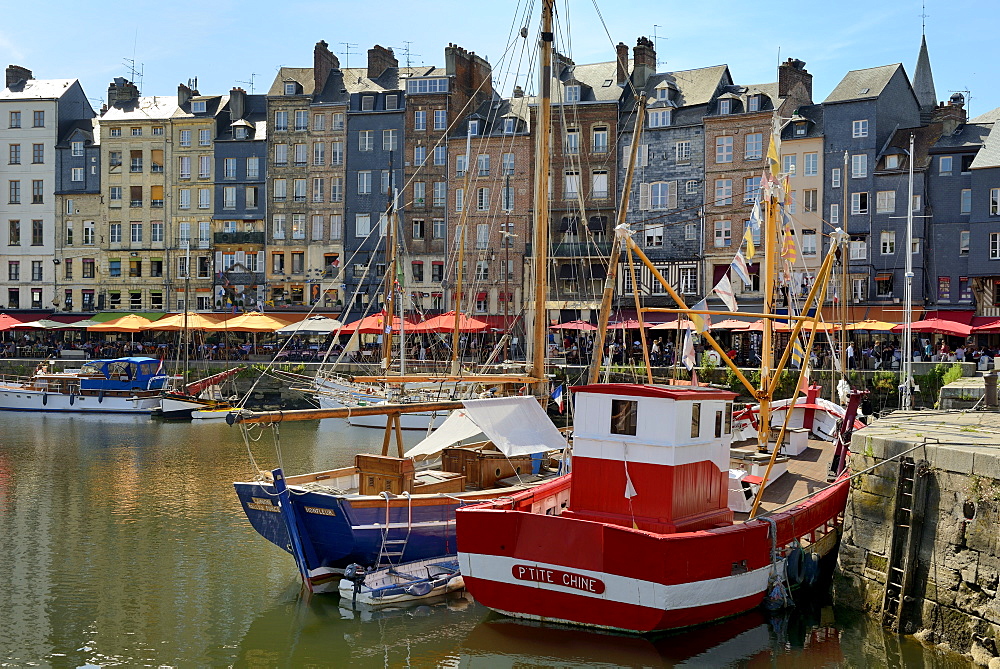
[788,249]
[772,156]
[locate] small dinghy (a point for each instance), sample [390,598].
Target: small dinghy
[406,582]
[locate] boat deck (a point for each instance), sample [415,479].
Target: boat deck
[806,474]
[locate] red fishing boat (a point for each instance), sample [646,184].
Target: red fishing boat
[639,536]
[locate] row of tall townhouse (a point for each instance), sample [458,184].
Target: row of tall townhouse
[281,200]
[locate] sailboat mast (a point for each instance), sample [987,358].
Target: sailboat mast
[541,232]
[769,266]
[906,388]
[390,275]
[187,306]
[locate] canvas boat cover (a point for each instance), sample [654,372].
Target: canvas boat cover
[516,425]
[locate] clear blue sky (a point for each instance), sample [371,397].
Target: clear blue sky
[225,41]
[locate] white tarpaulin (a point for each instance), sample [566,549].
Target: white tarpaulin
[455,428]
[516,425]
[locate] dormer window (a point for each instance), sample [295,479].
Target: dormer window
[572,94]
[290,88]
[800,129]
[659,118]
[367,102]
[753,103]
[239,133]
[726,106]
[663,93]
[474,128]
[509,126]
[391,102]
[892,161]
[198,107]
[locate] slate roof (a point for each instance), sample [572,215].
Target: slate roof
[213,105]
[593,79]
[693,87]
[84,128]
[968,135]
[813,113]
[863,84]
[989,155]
[155,107]
[37,89]
[991,116]
[303,75]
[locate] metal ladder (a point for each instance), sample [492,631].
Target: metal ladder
[394,548]
[901,559]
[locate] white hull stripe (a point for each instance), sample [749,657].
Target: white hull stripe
[622,589]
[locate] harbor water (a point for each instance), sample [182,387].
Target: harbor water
[124,545]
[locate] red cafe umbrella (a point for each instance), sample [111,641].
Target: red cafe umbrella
[374,324]
[7,322]
[446,323]
[679,324]
[574,325]
[938,326]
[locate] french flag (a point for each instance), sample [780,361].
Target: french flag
[557,397]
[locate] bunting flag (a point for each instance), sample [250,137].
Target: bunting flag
[798,352]
[789,251]
[772,156]
[739,265]
[687,352]
[753,227]
[724,289]
[629,488]
[701,321]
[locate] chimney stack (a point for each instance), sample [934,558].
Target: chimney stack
[793,71]
[237,104]
[121,90]
[950,114]
[323,61]
[380,59]
[518,92]
[621,62]
[17,74]
[643,62]
[183,95]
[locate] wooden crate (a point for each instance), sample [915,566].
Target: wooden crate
[383,473]
[483,468]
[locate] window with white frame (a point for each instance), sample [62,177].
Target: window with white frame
[654,234]
[440,119]
[995,246]
[599,184]
[572,93]
[298,226]
[571,184]
[229,197]
[725,106]
[689,280]
[724,149]
[301,154]
[859,248]
[964,238]
[509,126]
[441,155]
[419,155]
[810,167]
[810,200]
[419,193]
[809,243]
[420,120]
[682,151]
[788,164]
[184,198]
[691,187]
[366,140]
[659,118]
[859,165]
[723,192]
[483,199]
[318,194]
[440,193]
[691,231]
[337,189]
[663,195]
[571,141]
[753,103]
[507,164]
[204,198]
[390,140]
[888,242]
[723,233]
[754,146]
[364,182]
[995,202]
[362,225]
[751,188]
[76,174]
[459,199]
[885,202]
[319,153]
[301,119]
[859,128]
[483,164]
[859,203]
[599,139]
[835,177]
[965,204]
[253,167]
[204,137]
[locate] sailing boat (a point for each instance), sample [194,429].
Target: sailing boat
[387,510]
[640,536]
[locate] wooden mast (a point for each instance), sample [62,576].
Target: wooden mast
[541,219]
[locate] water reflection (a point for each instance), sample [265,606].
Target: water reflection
[124,544]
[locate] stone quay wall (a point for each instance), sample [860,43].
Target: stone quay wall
[950,591]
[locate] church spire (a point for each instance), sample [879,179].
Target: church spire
[923,81]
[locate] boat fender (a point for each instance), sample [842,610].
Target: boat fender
[794,566]
[356,574]
[45,399]
[418,589]
[100,396]
[810,568]
[72,398]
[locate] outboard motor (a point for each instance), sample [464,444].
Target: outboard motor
[356,574]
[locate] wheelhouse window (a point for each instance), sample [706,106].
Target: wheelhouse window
[623,416]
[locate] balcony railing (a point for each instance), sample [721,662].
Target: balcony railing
[239,238]
[135,203]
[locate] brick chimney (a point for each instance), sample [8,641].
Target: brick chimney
[472,73]
[237,104]
[518,92]
[122,90]
[621,61]
[643,62]
[792,72]
[16,74]
[950,114]
[323,61]
[183,95]
[380,59]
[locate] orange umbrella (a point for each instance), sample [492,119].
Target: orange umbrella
[630,324]
[731,324]
[252,321]
[175,322]
[872,325]
[129,323]
[446,323]
[679,324]
[374,324]
[819,327]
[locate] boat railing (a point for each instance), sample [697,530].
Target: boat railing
[53,384]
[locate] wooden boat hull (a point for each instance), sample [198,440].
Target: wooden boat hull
[520,558]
